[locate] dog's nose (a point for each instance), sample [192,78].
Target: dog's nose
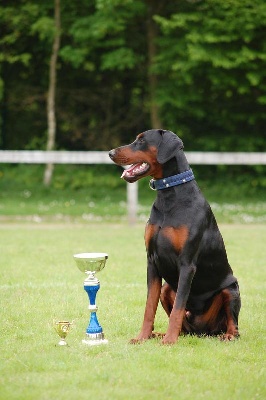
[112,153]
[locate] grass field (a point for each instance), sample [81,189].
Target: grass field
[39,282]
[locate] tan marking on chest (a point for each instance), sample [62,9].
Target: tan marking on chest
[177,236]
[150,231]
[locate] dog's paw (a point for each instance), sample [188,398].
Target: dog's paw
[169,340]
[157,335]
[229,337]
[136,341]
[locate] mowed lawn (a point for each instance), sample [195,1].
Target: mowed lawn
[39,282]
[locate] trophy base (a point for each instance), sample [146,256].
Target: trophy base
[94,339]
[62,343]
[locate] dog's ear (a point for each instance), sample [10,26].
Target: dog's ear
[168,147]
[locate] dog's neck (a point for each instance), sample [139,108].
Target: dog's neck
[175,172]
[176,165]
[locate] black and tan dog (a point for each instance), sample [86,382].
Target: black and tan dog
[183,242]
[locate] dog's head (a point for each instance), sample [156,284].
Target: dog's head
[147,154]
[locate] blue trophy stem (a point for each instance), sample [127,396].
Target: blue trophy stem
[94,326]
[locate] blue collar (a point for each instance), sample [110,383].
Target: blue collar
[174,180]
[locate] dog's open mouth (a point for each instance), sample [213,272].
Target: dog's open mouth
[135,170]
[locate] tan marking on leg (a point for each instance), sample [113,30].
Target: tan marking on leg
[175,326]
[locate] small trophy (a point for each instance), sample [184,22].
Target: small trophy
[62,328]
[90,263]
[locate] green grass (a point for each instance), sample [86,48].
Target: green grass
[39,282]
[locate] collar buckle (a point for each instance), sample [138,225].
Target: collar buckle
[151,184]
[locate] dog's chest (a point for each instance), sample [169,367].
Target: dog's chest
[163,245]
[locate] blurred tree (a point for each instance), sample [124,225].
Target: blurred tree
[13,52]
[25,28]
[153,8]
[107,48]
[51,108]
[195,67]
[212,74]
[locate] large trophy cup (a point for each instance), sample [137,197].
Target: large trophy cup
[90,263]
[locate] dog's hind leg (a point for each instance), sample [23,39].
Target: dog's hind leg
[221,316]
[232,305]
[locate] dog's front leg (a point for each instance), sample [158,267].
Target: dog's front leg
[154,291]
[178,312]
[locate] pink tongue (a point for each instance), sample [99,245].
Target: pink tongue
[129,171]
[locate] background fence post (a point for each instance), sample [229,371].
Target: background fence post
[132,202]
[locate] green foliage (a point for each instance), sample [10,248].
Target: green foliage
[214,53]
[120,59]
[14,25]
[75,56]
[44,27]
[209,63]
[104,30]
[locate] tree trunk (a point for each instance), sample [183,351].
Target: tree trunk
[152,77]
[51,118]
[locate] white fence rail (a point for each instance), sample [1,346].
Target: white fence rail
[101,157]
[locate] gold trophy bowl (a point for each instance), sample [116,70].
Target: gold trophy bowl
[90,262]
[62,328]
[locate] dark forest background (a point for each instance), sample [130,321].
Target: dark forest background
[197,68]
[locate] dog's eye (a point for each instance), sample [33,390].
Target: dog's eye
[141,140]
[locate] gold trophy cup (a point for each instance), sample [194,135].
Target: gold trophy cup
[62,328]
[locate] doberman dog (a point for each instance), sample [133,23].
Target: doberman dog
[184,245]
